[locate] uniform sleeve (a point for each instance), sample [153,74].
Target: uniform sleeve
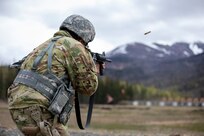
[81,70]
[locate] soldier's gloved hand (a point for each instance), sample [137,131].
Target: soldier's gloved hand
[100,67]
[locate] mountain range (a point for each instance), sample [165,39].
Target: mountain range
[179,66]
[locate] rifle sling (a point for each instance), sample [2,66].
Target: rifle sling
[78,113]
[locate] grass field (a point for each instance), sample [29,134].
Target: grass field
[130,120]
[165,120]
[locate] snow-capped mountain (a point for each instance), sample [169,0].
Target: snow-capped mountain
[179,65]
[156,50]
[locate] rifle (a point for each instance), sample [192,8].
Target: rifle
[100,59]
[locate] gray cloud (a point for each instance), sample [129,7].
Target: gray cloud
[182,8]
[117,21]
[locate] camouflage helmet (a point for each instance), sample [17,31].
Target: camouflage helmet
[80,26]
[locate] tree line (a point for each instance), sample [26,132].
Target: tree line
[7,76]
[109,91]
[115,91]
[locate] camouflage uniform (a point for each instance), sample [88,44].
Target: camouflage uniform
[71,58]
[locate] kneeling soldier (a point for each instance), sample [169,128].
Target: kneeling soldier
[42,94]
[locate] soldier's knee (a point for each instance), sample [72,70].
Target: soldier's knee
[38,121]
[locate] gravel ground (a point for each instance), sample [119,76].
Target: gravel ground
[8,128]
[16,132]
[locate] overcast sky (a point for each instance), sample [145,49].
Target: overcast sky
[27,23]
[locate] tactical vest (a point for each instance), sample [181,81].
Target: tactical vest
[57,90]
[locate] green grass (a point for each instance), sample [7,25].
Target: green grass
[196,127]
